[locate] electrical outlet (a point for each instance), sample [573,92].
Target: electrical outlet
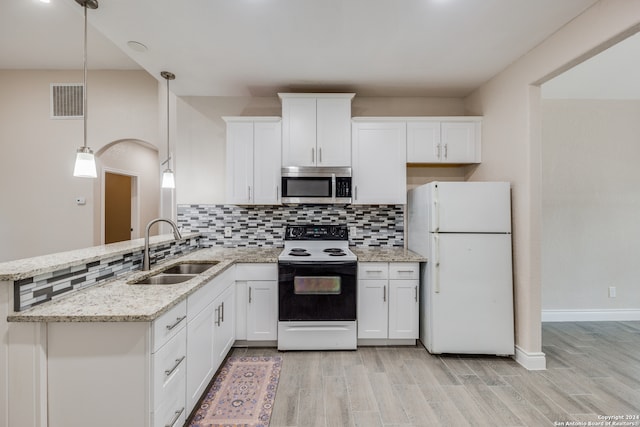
[227,232]
[612,291]
[353,232]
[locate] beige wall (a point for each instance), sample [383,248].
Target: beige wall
[38,213]
[590,204]
[510,104]
[200,148]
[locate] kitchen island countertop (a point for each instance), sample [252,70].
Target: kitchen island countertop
[119,301]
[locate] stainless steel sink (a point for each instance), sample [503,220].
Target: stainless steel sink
[177,273]
[164,279]
[190,267]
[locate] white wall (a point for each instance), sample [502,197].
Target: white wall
[590,204]
[38,214]
[200,147]
[510,104]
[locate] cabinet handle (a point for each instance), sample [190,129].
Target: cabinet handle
[355,193]
[217,313]
[438,156]
[320,155]
[168,372]
[175,418]
[405,271]
[222,309]
[446,151]
[249,294]
[249,192]
[178,320]
[416,289]
[374,271]
[384,293]
[277,193]
[313,155]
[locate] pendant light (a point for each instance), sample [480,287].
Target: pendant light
[168,180]
[85,166]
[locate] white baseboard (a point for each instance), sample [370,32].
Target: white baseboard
[531,361]
[619,315]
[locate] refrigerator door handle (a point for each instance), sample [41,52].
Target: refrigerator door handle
[436,265]
[436,209]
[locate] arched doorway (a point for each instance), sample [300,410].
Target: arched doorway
[129,183]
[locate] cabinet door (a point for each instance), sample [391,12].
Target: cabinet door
[262,310]
[333,126]
[239,162]
[299,132]
[403,309]
[200,355]
[379,163]
[459,142]
[267,158]
[423,142]
[224,332]
[372,308]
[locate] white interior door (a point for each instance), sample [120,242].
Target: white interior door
[472,304]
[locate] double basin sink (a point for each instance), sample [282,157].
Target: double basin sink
[177,273]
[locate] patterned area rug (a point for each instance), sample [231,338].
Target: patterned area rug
[242,394]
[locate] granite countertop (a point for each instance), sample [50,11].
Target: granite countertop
[373,254]
[118,301]
[28,267]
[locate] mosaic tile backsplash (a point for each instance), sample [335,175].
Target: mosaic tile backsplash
[263,226]
[36,290]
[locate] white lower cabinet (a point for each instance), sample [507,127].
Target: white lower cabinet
[126,374]
[210,332]
[388,300]
[257,304]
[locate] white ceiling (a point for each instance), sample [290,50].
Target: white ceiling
[233,47]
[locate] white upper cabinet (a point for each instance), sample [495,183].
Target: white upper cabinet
[253,160]
[379,163]
[316,129]
[454,140]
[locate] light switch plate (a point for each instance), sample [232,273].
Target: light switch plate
[353,232]
[227,232]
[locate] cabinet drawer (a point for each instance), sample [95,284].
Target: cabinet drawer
[259,271]
[168,367]
[171,411]
[373,270]
[404,270]
[168,325]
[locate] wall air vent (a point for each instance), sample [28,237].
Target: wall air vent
[66,100]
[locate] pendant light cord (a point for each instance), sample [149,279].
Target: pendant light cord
[168,157]
[84,87]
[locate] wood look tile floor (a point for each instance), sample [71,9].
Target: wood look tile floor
[593,371]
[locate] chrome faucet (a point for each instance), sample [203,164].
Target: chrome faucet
[176,234]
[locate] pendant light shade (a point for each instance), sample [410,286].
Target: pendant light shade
[85,166]
[85,163]
[168,179]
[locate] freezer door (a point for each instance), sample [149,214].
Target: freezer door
[470,302]
[470,207]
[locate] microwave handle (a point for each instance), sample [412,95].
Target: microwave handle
[333,187]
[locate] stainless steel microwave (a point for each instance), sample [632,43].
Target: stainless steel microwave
[315,185]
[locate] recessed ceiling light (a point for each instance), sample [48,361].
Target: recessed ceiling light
[137,46]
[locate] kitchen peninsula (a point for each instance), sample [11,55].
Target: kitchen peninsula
[126,337]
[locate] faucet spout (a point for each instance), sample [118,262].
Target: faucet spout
[146,262]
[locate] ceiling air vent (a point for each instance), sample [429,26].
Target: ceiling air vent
[66,101]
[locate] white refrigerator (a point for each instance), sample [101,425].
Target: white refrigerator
[464,230]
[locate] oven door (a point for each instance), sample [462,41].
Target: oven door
[317,291]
